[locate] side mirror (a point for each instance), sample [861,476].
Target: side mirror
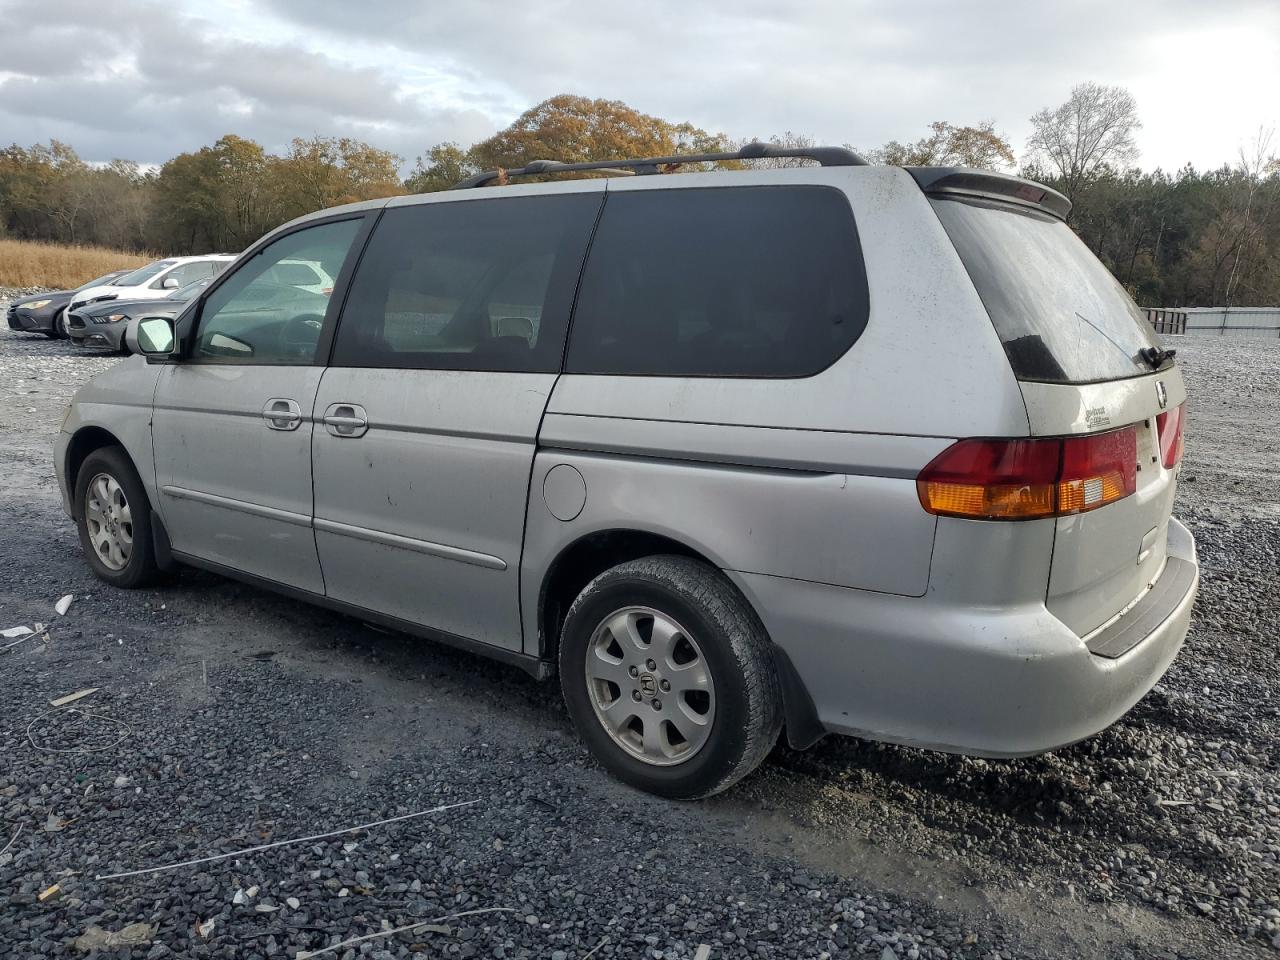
[150,336]
[170,283]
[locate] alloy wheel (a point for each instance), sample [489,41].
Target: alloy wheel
[650,686]
[109,521]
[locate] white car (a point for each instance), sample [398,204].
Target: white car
[308,275]
[152,282]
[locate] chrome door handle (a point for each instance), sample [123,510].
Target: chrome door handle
[282,414]
[346,420]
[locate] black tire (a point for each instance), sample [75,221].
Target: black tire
[748,713]
[141,568]
[60,325]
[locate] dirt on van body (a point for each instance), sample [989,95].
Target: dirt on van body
[226,717]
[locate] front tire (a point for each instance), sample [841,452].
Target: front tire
[113,515]
[60,325]
[668,675]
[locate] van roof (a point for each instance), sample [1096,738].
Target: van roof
[932,180]
[935,181]
[826,156]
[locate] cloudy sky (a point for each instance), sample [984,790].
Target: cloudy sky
[144,80]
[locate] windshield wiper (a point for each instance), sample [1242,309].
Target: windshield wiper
[1155,356]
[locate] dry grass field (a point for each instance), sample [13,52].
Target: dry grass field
[27,264]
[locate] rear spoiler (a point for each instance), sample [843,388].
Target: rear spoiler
[967,182]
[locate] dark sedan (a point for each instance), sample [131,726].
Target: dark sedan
[104,324]
[42,312]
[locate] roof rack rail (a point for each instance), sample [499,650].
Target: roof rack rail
[826,156]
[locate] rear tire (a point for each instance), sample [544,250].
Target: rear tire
[113,515]
[668,675]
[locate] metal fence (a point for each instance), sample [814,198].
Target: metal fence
[1234,322]
[1167,321]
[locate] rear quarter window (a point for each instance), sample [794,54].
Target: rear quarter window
[720,282]
[1061,315]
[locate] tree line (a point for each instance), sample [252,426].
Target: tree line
[1181,238]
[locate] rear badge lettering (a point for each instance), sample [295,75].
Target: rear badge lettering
[1096,417]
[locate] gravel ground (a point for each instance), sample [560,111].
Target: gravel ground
[249,719]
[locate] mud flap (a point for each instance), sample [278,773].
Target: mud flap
[160,544]
[799,713]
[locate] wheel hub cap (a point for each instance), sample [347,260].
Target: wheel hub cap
[650,686]
[108,521]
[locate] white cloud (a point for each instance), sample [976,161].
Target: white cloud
[147,80]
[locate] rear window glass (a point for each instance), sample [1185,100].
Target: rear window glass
[1061,315]
[722,282]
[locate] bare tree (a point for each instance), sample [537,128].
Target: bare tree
[1256,162]
[947,145]
[794,141]
[1093,130]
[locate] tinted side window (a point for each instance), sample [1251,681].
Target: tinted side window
[468,285]
[724,282]
[254,318]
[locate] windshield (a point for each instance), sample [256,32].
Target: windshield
[190,290]
[143,274]
[1061,315]
[102,281]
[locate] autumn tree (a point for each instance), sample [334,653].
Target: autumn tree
[219,197]
[1187,238]
[121,210]
[444,165]
[577,129]
[326,171]
[947,145]
[1092,131]
[45,191]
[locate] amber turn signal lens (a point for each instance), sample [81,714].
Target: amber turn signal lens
[1029,479]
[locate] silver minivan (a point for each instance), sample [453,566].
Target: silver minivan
[840,448]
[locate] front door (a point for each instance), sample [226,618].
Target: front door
[427,418]
[232,421]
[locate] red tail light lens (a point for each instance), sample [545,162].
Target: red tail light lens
[1169,428]
[1030,479]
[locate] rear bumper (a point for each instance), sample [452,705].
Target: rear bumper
[999,681]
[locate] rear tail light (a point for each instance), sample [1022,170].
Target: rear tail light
[1169,428]
[1030,479]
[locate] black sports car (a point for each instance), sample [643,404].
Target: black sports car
[104,324]
[43,312]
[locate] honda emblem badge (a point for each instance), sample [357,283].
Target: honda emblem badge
[1162,395]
